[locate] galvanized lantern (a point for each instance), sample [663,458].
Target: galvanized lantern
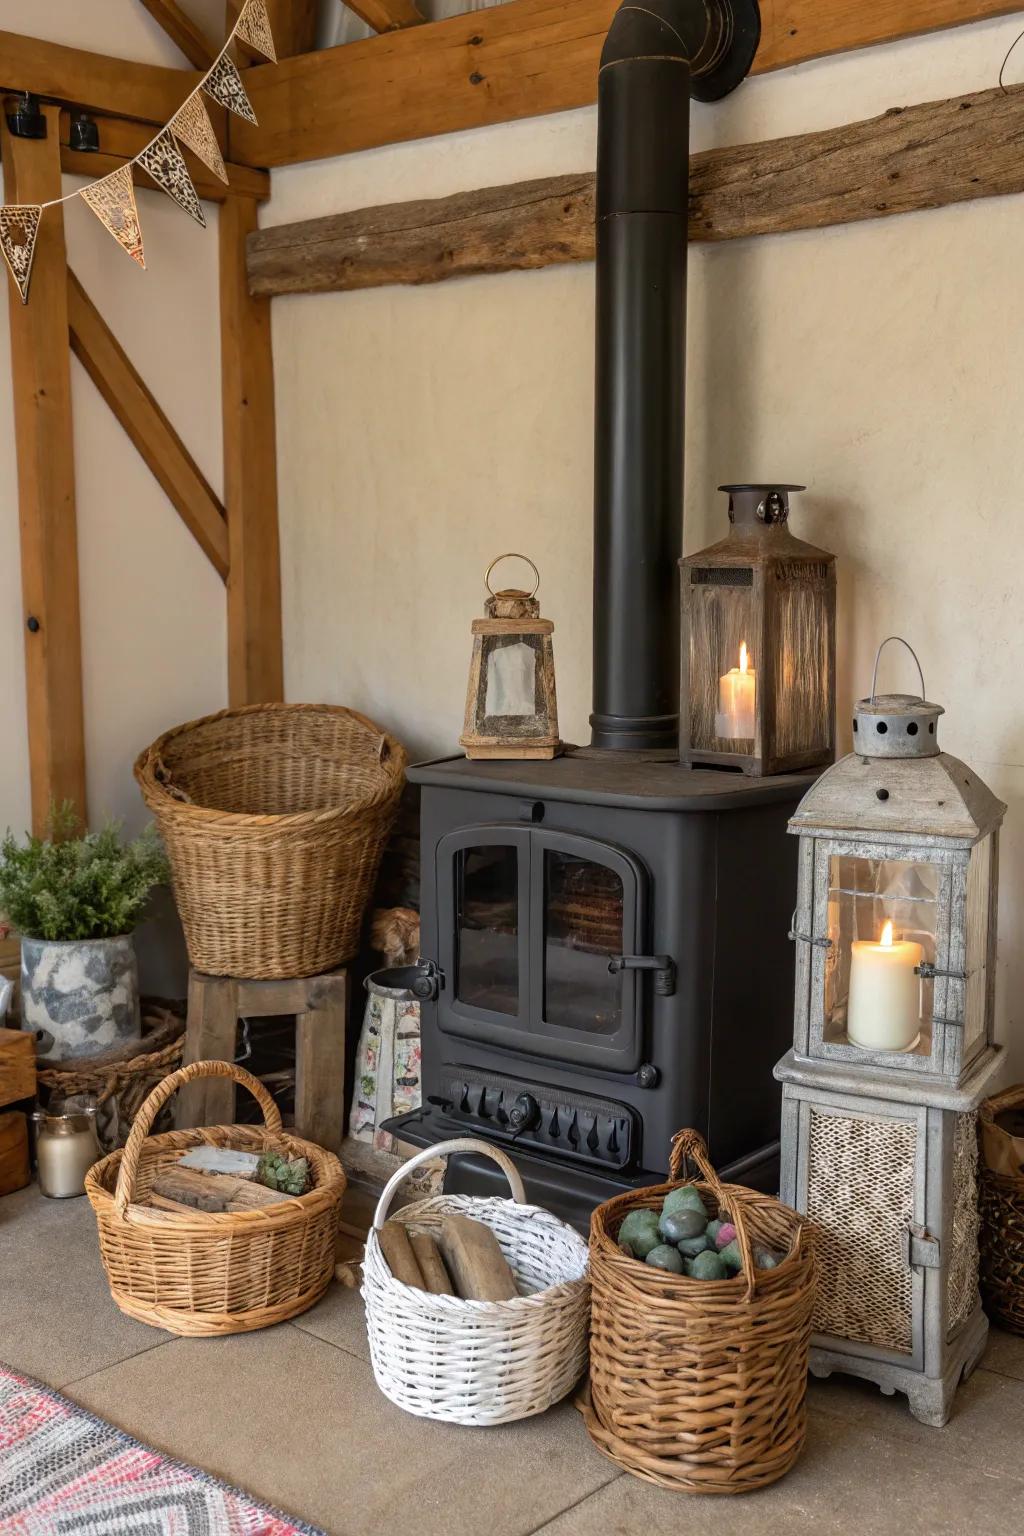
[892,1050]
[511,710]
[758,643]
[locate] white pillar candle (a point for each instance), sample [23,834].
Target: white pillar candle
[884,1008]
[736,692]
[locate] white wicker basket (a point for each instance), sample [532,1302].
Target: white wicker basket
[480,1362]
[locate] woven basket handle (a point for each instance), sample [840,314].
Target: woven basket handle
[446,1149]
[151,1107]
[691,1145]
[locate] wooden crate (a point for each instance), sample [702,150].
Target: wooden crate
[17,1066]
[14,1166]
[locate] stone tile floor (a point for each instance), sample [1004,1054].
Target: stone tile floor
[355,1464]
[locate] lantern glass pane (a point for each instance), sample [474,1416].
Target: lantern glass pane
[722,695]
[979,881]
[488,931]
[583,928]
[873,997]
[800,660]
[511,679]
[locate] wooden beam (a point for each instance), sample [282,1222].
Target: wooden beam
[147,92]
[909,158]
[182,31]
[41,372]
[387,15]
[255,653]
[121,140]
[517,60]
[120,384]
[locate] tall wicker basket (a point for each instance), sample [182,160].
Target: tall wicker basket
[700,1385]
[274,819]
[1001,1237]
[197,1272]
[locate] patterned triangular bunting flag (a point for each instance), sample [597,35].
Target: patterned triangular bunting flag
[191,125]
[224,84]
[19,226]
[254,29]
[164,161]
[112,200]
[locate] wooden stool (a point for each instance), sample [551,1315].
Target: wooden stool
[319,1003]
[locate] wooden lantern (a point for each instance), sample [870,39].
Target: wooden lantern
[758,643]
[511,710]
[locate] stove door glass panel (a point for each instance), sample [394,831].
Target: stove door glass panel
[488,928]
[584,914]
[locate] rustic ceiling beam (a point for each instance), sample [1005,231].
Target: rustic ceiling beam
[182,31]
[521,59]
[125,391]
[908,159]
[148,92]
[121,140]
[387,15]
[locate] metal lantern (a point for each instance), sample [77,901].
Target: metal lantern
[892,1050]
[511,710]
[758,643]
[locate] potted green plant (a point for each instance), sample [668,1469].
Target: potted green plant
[75,898]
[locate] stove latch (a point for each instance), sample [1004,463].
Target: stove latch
[663,966]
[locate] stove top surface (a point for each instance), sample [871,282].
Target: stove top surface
[645,781]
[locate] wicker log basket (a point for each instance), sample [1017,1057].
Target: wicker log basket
[480,1362]
[1001,1236]
[205,1273]
[122,1078]
[700,1385]
[274,818]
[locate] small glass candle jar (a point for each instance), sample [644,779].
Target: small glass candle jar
[66,1148]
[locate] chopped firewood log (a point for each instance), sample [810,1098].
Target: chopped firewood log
[397,1250]
[432,1266]
[205,1159]
[475,1261]
[212,1191]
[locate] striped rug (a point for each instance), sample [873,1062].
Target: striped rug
[64,1472]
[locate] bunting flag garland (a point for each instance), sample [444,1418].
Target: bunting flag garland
[164,162]
[112,200]
[254,28]
[191,125]
[112,197]
[19,226]
[224,84]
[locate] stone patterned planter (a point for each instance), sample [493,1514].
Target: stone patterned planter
[82,997]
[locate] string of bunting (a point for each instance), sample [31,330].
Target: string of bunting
[112,198]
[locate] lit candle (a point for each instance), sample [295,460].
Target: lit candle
[884,1008]
[735,718]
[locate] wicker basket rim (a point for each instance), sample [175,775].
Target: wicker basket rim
[456,1304]
[1010,1098]
[156,794]
[604,1245]
[281,1214]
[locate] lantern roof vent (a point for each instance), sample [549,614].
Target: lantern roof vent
[896,724]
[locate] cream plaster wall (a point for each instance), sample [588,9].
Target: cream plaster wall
[423,430]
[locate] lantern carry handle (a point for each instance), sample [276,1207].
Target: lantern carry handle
[878,657]
[512,555]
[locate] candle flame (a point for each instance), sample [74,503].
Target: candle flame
[743,655]
[886,940]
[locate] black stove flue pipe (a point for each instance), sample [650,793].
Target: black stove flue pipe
[656,56]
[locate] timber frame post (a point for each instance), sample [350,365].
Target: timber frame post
[41,374]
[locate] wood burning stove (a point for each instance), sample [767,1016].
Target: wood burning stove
[605,934]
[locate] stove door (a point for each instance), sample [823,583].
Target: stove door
[530,921]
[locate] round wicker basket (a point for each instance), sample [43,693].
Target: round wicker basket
[700,1385]
[480,1362]
[274,818]
[1001,1235]
[194,1272]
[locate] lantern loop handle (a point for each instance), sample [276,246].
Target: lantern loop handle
[878,657]
[512,555]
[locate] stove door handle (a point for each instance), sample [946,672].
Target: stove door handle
[663,966]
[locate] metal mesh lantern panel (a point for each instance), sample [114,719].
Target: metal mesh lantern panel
[799,653]
[962,1276]
[722,618]
[860,1195]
